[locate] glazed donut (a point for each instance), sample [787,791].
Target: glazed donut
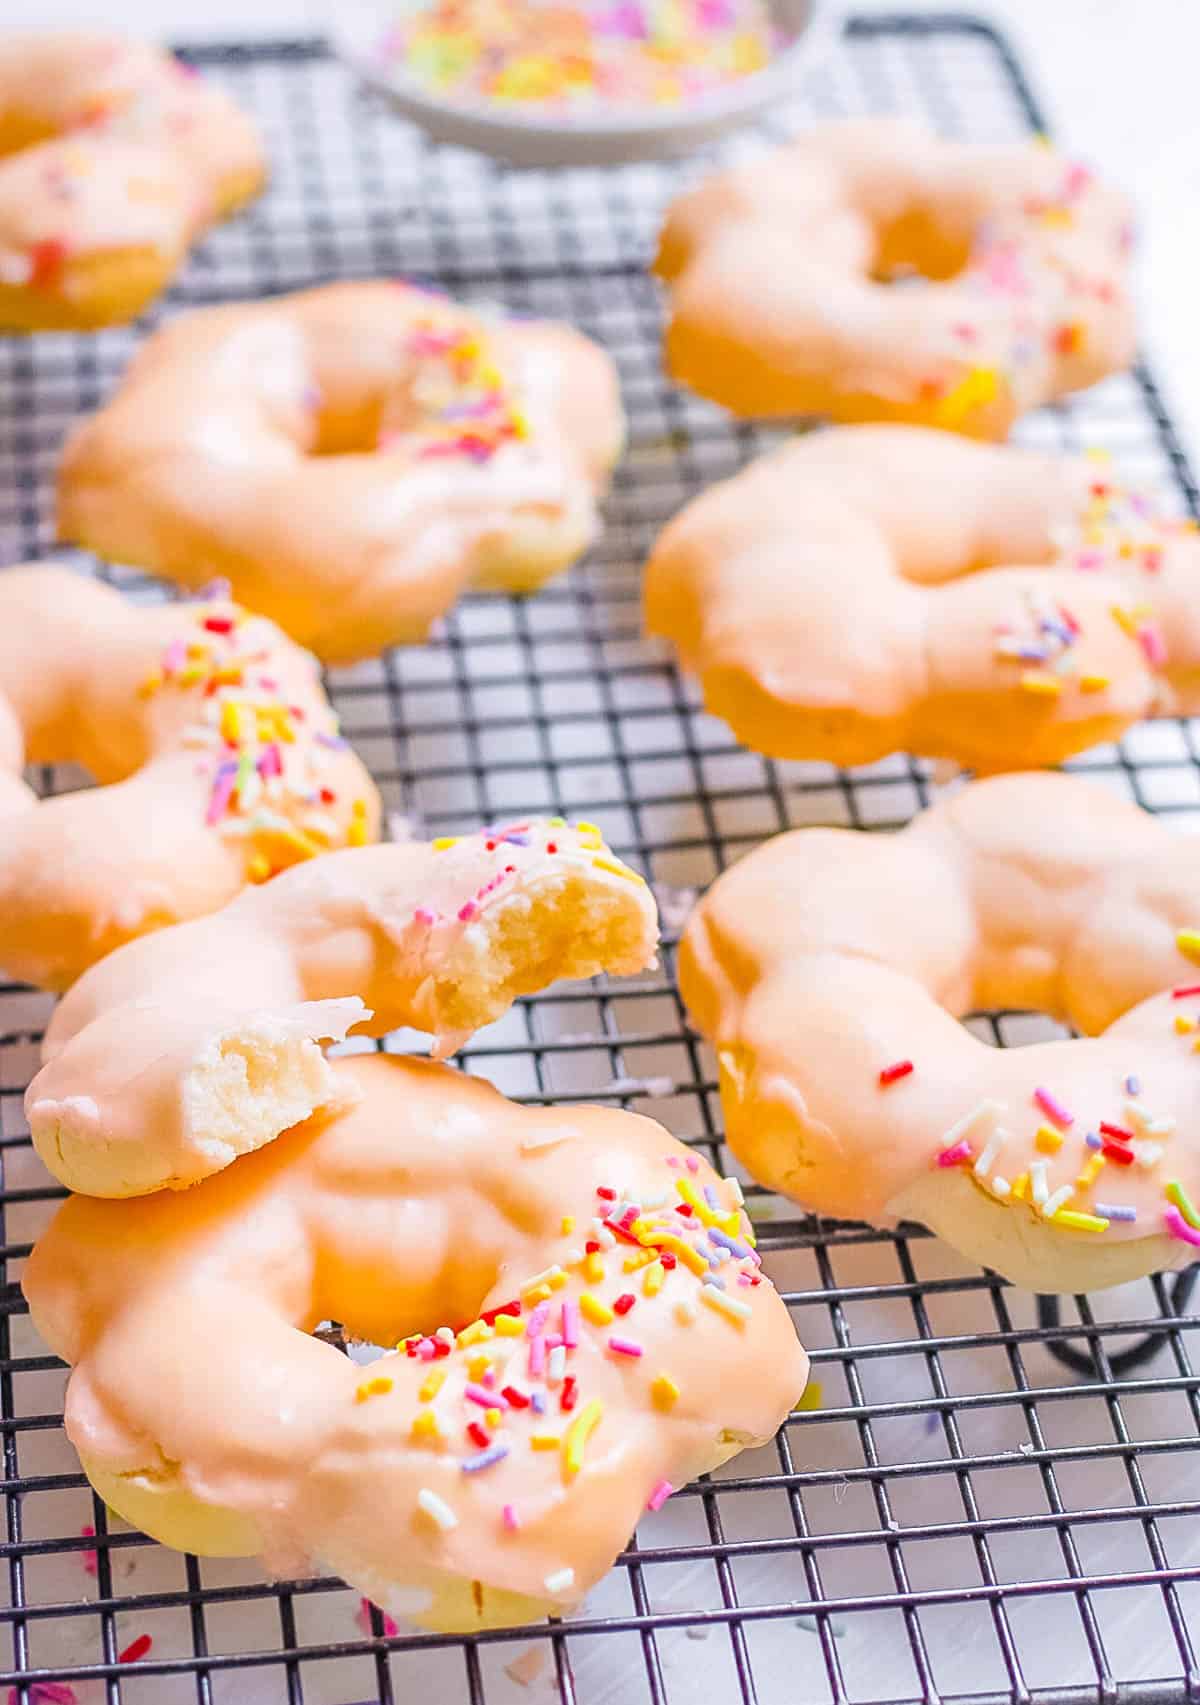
[114,157]
[188,1048]
[216,750]
[856,593]
[583,1327]
[830,967]
[783,278]
[351,457]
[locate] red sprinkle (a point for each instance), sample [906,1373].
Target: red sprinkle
[47,259]
[476,1433]
[566,1401]
[440,1348]
[624,1303]
[667,1259]
[892,1074]
[605,1194]
[1185,991]
[1112,1151]
[135,1649]
[516,1399]
[591,1247]
[1118,1131]
[219,624]
[489,1314]
[684,1208]
[551,846]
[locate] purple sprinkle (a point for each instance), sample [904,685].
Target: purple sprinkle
[1115,1211]
[537,1401]
[515,840]
[715,1280]
[1093,1141]
[731,1243]
[710,1196]
[334,741]
[1133,1085]
[483,1459]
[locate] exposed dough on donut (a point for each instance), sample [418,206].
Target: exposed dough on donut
[114,157]
[864,590]
[209,778]
[314,449]
[204,1412]
[827,957]
[185,1050]
[777,270]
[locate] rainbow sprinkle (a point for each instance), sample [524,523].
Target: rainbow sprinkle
[571,60]
[468,406]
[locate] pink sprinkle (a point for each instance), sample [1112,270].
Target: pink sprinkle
[673,1161]
[952,1156]
[1088,560]
[427,1349]
[537,1357]
[363,1619]
[89,1556]
[553,1340]
[222,793]
[174,657]
[46,1693]
[1154,646]
[659,1496]
[536,1324]
[1053,1108]
[424,916]
[693,1165]
[270,761]
[509,1518]
[570,1325]
[486,1399]
[1178,1227]
[467,912]
[624,1347]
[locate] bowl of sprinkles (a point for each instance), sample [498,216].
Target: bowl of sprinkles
[582,82]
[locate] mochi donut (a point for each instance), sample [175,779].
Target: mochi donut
[830,969]
[217,754]
[114,157]
[792,288]
[188,1048]
[583,1326]
[351,457]
[873,589]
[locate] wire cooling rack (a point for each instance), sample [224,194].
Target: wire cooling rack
[958,1515]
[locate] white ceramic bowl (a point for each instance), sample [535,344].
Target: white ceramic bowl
[528,137]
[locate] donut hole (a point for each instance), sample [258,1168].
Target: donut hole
[921,243]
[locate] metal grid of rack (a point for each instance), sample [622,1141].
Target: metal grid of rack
[957,1515]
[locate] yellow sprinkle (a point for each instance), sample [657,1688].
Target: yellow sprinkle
[974,390]
[655,1277]
[1188,943]
[1090,1172]
[195,650]
[1079,1222]
[594,1310]
[664,1391]
[431,1384]
[149,686]
[639,1258]
[593,1267]
[810,1397]
[444,841]
[259,868]
[544,1441]
[1049,686]
[577,1435]
[557,1279]
[1196,1046]
[1183,1024]
[538,1293]
[359,808]
[493,1417]
[1020,1189]
[478,1364]
[690,1257]
[615,869]
[508,1326]
[377,1387]
[1093,683]
[1048,1140]
[356,833]
[425,1425]
[586,828]
[231,721]
[475,1333]
[1124,620]
[568,1224]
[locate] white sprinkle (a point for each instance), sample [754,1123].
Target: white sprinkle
[1148,1154]
[966,1125]
[561,1581]
[604,1237]
[725,1304]
[991,1151]
[437,1509]
[736,1191]
[658,1201]
[1000,1186]
[572,1257]
[653,1086]
[547,1138]
[445,1334]
[1060,1197]
[1039,1189]
[1161,1127]
[556,1365]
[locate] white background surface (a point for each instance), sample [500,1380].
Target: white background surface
[1118,79]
